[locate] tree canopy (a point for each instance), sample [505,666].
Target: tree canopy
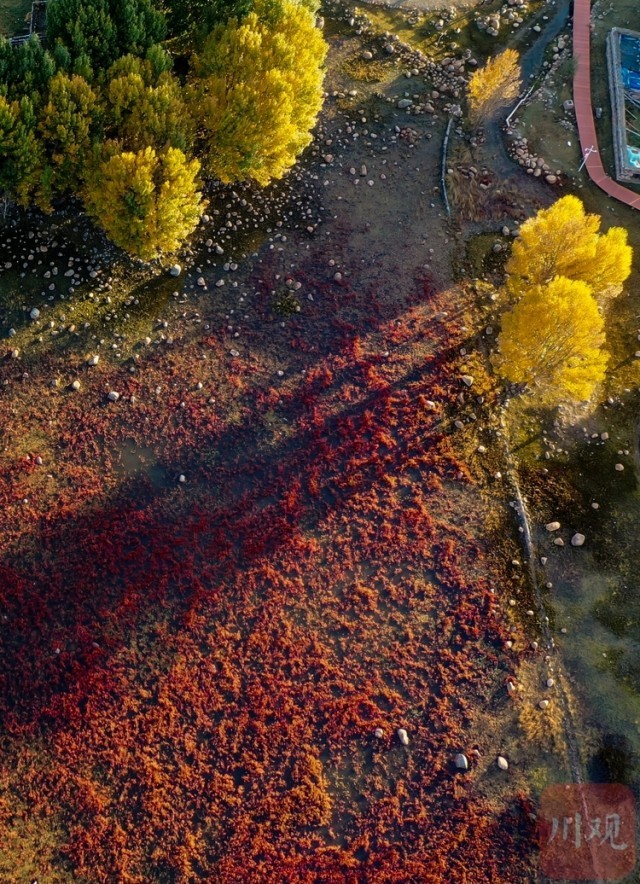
[259,91]
[552,341]
[97,32]
[104,101]
[146,202]
[565,241]
[560,272]
[494,85]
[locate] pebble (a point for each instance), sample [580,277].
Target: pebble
[559,541]
[461,762]
[403,736]
[503,764]
[182,479]
[578,539]
[550,682]
[552,526]
[619,467]
[75,385]
[35,313]
[175,270]
[467,379]
[93,360]
[113,396]
[543,704]
[379,733]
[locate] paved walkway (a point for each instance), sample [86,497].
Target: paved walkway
[584,110]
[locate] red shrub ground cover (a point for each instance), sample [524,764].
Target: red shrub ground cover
[191,675]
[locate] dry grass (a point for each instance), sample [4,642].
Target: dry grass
[365,71]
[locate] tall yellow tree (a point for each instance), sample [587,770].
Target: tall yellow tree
[551,341]
[565,241]
[494,86]
[146,202]
[66,128]
[259,90]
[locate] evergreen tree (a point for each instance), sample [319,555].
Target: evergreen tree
[97,32]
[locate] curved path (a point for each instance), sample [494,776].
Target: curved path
[584,110]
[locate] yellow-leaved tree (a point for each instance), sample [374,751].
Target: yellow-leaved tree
[66,128]
[494,86]
[146,202]
[144,109]
[258,91]
[551,341]
[565,241]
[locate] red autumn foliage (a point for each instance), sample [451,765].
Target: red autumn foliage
[190,677]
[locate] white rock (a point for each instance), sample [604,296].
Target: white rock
[182,479]
[543,704]
[404,103]
[552,526]
[234,352]
[559,541]
[503,764]
[578,539]
[35,313]
[550,682]
[467,379]
[604,436]
[461,762]
[619,467]
[75,385]
[201,282]
[403,736]
[175,270]
[367,55]
[113,396]
[379,733]
[93,360]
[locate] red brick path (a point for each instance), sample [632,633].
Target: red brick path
[584,110]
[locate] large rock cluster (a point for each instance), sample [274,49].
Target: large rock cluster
[532,164]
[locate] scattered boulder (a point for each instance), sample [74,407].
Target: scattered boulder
[552,526]
[93,360]
[404,103]
[403,736]
[467,379]
[175,270]
[113,396]
[378,733]
[461,762]
[503,764]
[35,313]
[578,539]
